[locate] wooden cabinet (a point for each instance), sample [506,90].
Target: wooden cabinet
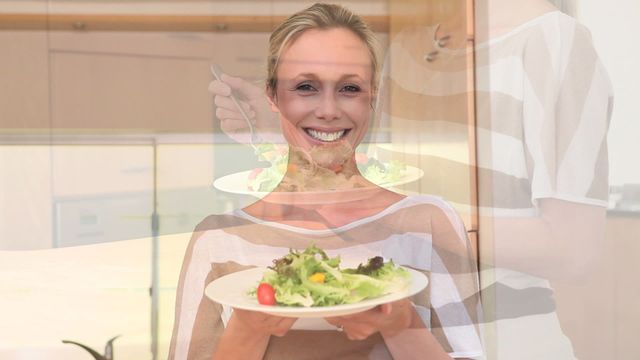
[118,82]
[24,85]
[143,82]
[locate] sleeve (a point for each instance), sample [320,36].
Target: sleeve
[454,288]
[198,322]
[567,104]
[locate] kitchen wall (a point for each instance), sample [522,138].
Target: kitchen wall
[114,99]
[91,123]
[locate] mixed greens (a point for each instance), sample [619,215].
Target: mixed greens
[381,173]
[311,278]
[266,179]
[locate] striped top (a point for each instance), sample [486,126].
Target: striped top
[420,232]
[543,104]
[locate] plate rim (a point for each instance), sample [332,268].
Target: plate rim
[318,311]
[418,174]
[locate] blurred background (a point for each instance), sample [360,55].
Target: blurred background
[109,150]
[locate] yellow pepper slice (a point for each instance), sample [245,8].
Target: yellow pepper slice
[317,277]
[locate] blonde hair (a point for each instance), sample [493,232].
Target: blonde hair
[318,16]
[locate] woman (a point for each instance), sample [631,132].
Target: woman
[321,81]
[543,104]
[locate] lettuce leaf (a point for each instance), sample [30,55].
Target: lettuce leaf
[295,279]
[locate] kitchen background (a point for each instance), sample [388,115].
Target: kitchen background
[104,113]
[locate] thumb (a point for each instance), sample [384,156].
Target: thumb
[385,309]
[242,86]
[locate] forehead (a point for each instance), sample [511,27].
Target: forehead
[335,50]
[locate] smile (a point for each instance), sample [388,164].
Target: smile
[326,136]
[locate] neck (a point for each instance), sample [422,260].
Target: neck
[321,170]
[322,189]
[325,211]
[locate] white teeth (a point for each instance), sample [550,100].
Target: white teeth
[323,136]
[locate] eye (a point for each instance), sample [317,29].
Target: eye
[350,88]
[304,87]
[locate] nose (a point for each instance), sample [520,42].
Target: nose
[328,108]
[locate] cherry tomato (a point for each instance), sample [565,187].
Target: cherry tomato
[254,173]
[266,294]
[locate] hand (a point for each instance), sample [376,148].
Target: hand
[388,319]
[257,323]
[247,334]
[254,103]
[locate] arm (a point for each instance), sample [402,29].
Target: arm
[199,331]
[401,327]
[453,278]
[247,335]
[415,341]
[399,324]
[567,103]
[193,311]
[559,244]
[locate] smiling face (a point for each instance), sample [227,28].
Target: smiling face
[324,91]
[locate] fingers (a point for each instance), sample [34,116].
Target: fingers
[217,87]
[358,334]
[364,317]
[263,323]
[246,88]
[385,309]
[362,325]
[224,114]
[283,326]
[371,315]
[233,126]
[335,321]
[355,327]
[225,102]
[352,330]
[358,331]
[227,83]
[254,104]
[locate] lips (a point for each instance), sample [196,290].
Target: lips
[326,136]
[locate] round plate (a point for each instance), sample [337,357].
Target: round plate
[238,183]
[232,290]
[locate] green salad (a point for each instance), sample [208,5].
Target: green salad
[311,278]
[267,178]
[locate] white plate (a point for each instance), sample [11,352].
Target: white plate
[238,183]
[232,290]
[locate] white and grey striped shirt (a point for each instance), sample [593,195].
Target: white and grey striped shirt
[421,232]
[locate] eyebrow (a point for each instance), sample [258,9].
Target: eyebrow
[314,76]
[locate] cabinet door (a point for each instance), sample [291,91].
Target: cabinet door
[115,92]
[430,99]
[24,81]
[143,82]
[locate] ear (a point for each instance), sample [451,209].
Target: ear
[271,98]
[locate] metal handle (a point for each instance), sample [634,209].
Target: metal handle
[431,57]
